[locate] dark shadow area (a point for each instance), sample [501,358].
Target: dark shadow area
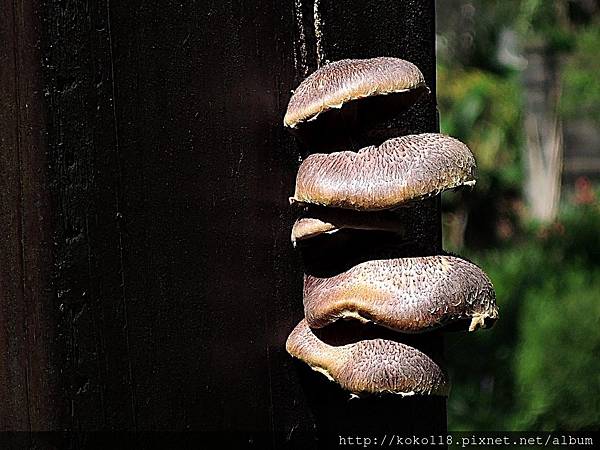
[359,123]
[345,332]
[330,254]
[387,220]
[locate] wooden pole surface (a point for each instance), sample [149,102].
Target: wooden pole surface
[147,281]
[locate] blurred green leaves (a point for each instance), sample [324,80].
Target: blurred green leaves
[557,368]
[581,89]
[538,368]
[539,21]
[483,110]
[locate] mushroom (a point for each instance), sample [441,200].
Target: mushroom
[365,272]
[398,171]
[316,221]
[409,295]
[335,84]
[375,365]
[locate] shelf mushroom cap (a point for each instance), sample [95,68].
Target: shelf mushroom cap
[307,227]
[317,221]
[409,295]
[398,171]
[369,365]
[340,82]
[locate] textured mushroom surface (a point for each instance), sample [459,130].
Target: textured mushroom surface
[409,295]
[398,171]
[329,220]
[342,81]
[370,365]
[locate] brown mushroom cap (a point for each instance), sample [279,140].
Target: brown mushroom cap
[369,365]
[410,295]
[317,221]
[399,170]
[307,227]
[342,81]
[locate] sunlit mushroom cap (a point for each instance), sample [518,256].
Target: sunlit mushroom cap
[410,295]
[340,82]
[370,365]
[398,171]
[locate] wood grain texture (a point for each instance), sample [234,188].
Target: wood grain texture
[86,183]
[171,171]
[30,384]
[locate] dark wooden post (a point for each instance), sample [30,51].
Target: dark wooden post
[329,31]
[30,342]
[146,268]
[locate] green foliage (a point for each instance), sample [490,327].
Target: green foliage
[482,109]
[540,22]
[557,368]
[483,363]
[581,90]
[538,367]
[470,32]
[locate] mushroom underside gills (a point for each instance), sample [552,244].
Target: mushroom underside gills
[339,83]
[409,295]
[399,171]
[368,366]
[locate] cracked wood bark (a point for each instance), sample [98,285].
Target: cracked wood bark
[147,277]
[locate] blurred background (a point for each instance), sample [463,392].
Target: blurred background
[519,82]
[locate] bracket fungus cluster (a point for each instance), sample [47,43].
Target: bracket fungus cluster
[392,296]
